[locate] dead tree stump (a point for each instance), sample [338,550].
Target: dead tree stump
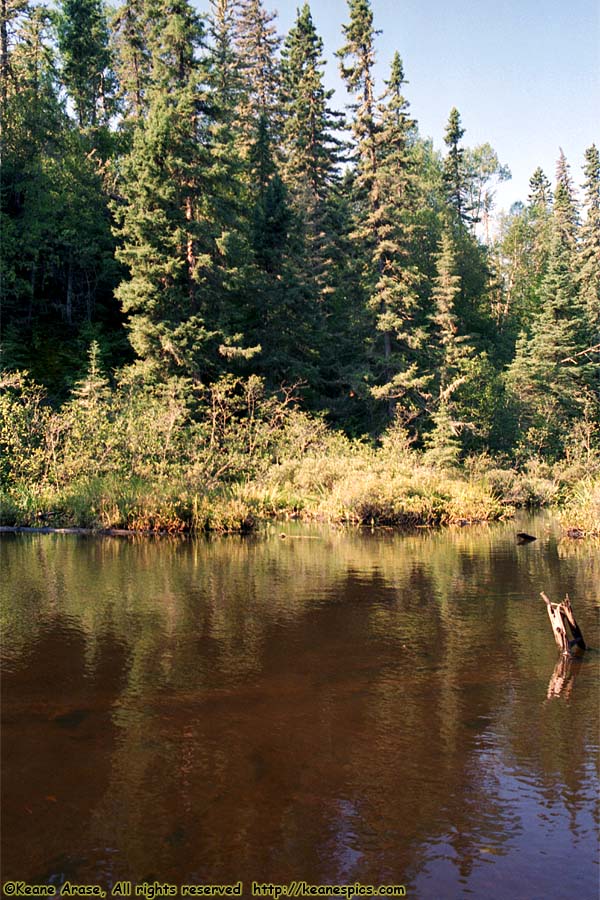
[562,618]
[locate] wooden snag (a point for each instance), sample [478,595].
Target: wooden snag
[562,618]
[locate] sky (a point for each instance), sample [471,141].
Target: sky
[524,74]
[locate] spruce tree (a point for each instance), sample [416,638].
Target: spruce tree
[12,13]
[309,150]
[385,204]
[451,354]
[589,265]
[357,60]
[257,44]
[57,249]
[393,295]
[309,168]
[280,310]
[232,197]
[132,57]
[225,65]
[83,41]
[455,173]
[540,225]
[548,376]
[167,242]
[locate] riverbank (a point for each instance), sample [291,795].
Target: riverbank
[356,491]
[163,458]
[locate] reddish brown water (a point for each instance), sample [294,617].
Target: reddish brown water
[330,707]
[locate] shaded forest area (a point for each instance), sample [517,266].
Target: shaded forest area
[214,284]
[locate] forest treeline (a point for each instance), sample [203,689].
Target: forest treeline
[199,252]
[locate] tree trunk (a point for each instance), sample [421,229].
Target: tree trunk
[3,52]
[69,304]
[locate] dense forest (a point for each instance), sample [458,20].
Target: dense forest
[213,279]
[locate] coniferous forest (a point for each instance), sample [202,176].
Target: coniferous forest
[224,298]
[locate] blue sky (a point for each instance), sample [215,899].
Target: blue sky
[524,74]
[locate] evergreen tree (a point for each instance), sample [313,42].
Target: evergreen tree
[452,354]
[385,204]
[83,42]
[233,198]
[57,250]
[257,44]
[548,376]
[309,149]
[130,34]
[357,59]
[310,170]
[455,172]
[540,225]
[225,65]
[280,309]
[589,267]
[393,296]
[11,14]
[167,239]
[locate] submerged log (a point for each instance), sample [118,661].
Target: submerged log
[524,538]
[562,618]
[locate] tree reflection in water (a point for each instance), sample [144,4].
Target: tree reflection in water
[356,707]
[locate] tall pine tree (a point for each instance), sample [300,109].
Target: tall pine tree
[83,41]
[166,224]
[393,295]
[589,266]
[548,378]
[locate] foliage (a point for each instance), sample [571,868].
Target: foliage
[222,304]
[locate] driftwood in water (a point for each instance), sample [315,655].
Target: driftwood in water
[562,617]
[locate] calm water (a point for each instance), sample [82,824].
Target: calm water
[332,706]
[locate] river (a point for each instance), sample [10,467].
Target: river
[330,706]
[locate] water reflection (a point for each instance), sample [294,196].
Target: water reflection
[353,707]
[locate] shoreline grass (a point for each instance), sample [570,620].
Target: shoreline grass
[368,493]
[140,459]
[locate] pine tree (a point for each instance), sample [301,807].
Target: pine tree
[589,267]
[548,376]
[84,47]
[57,249]
[309,169]
[393,297]
[357,59]
[257,44]
[455,174]
[130,36]
[309,149]
[167,242]
[452,354]
[12,13]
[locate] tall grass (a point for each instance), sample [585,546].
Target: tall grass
[581,513]
[172,458]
